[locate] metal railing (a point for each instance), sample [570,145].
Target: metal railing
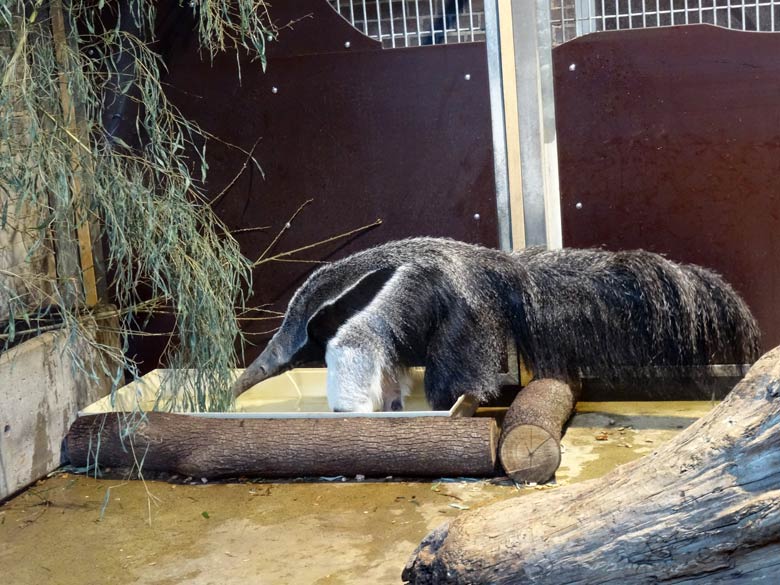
[412,23]
[573,18]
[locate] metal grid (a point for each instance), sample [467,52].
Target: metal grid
[412,23]
[572,18]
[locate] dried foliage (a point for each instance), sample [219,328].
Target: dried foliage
[68,72]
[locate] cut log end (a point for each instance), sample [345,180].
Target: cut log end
[530,454]
[530,450]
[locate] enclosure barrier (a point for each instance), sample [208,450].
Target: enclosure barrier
[412,23]
[574,18]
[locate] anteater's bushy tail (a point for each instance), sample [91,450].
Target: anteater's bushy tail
[613,314]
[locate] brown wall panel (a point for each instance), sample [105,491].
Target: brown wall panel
[670,141]
[401,135]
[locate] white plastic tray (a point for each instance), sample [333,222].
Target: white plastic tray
[299,393]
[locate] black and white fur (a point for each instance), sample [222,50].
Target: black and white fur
[451,306]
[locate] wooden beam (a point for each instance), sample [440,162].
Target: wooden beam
[81,141]
[512,125]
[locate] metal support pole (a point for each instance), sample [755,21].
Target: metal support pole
[495,80]
[536,115]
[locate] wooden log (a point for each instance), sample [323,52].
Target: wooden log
[704,507]
[530,445]
[230,447]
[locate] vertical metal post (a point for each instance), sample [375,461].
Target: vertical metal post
[552,194]
[536,115]
[495,82]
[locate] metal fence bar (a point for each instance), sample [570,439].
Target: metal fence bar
[603,15]
[419,28]
[378,20]
[457,19]
[471,20]
[392,25]
[444,21]
[406,30]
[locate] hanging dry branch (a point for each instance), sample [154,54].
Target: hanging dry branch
[69,70]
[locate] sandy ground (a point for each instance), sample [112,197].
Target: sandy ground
[75,530]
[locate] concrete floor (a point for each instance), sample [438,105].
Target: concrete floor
[76,530]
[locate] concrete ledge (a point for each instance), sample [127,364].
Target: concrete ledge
[40,394]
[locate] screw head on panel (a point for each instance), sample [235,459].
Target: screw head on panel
[467,77]
[573,67]
[578,205]
[347,45]
[476,216]
[274,89]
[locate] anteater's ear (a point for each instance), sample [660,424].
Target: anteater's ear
[334,312]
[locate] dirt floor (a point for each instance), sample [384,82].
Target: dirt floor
[76,530]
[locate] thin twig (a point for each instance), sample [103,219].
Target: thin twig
[150,497]
[250,156]
[274,330]
[260,309]
[286,227]
[68,132]
[295,260]
[252,229]
[216,138]
[320,243]
[274,318]
[36,330]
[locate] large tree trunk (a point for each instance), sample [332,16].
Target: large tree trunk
[705,507]
[229,447]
